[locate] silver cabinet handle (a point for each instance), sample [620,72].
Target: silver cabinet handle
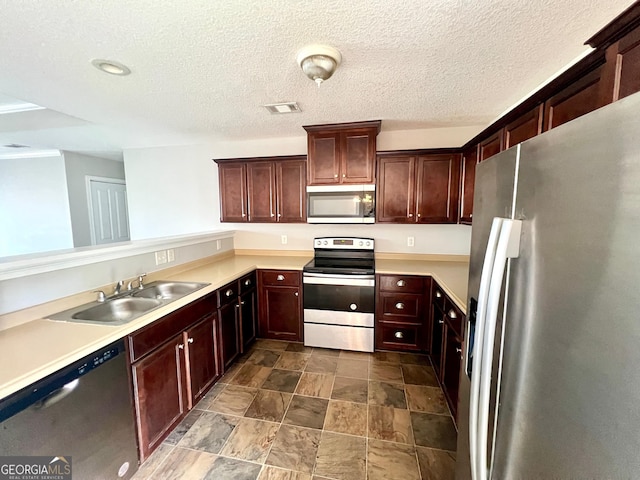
[471,215]
[401,283]
[241,303]
[440,322]
[344,175]
[190,340]
[244,214]
[228,293]
[237,305]
[296,294]
[458,350]
[398,335]
[452,314]
[335,175]
[418,215]
[273,215]
[438,294]
[181,346]
[247,282]
[353,306]
[279,215]
[280,278]
[400,306]
[410,215]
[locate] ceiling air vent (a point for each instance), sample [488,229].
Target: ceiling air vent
[280,108]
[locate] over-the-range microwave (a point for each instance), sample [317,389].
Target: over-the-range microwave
[341,204]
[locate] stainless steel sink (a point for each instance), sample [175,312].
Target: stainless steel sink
[168,290]
[119,310]
[127,306]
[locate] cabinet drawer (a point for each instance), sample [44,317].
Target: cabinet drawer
[401,307]
[152,336]
[280,278]
[398,337]
[401,283]
[438,296]
[247,282]
[453,317]
[227,294]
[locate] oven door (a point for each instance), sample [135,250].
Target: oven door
[339,299]
[341,204]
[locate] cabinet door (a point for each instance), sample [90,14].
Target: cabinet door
[469,161]
[233,193]
[436,338]
[357,157]
[248,318]
[291,195]
[229,333]
[261,190]
[527,126]
[451,367]
[621,74]
[395,190]
[324,158]
[579,98]
[490,146]
[203,365]
[159,384]
[437,183]
[280,313]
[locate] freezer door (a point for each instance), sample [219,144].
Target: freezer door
[493,197]
[570,381]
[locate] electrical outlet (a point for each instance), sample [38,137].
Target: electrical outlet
[411,241]
[161,257]
[171,255]
[218,244]
[283,239]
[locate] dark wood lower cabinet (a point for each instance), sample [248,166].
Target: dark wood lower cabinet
[160,394]
[451,358]
[280,303]
[248,318]
[229,333]
[203,366]
[437,331]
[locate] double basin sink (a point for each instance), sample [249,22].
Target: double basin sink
[128,306]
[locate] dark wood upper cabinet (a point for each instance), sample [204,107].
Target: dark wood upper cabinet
[342,153]
[523,128]
[395,189]
[469,161]
[291,198]
[233,192]
[437,183]
[491,145]
[263,190]
[417,187]
[575,100]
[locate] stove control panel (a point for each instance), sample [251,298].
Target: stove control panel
[343,243]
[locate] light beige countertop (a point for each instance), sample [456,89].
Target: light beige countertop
[40,347]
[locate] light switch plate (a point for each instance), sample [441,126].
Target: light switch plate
[171,255]
[284,239]
[411,241]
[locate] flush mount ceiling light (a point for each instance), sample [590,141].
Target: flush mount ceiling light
[111,67]
[280,108]
[319,62]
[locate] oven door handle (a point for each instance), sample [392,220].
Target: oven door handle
[348,280]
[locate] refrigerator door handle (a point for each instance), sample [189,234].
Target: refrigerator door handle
[508,247]
[476,356]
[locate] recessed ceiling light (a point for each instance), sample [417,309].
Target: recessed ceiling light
[19,107]
[111,67]
[280,108]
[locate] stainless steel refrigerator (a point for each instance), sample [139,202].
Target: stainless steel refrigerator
[550,378]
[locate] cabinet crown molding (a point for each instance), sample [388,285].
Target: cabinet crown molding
[262,159]
[616,28]
[331,127]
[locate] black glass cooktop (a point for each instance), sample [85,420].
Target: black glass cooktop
[344,266]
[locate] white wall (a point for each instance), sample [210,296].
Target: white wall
[171,191]
[34,206]
[77,167]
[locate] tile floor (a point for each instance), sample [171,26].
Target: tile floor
[289,412]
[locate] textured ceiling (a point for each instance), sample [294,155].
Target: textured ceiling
[201,69]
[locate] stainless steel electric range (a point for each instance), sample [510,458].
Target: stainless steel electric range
[339,294]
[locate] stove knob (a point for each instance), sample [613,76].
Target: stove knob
[368,243]
[353,306]
[325,242]
[360,243]
[318,242]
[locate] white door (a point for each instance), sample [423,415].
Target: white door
[109,217]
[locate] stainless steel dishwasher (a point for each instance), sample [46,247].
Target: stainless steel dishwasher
[83,411]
